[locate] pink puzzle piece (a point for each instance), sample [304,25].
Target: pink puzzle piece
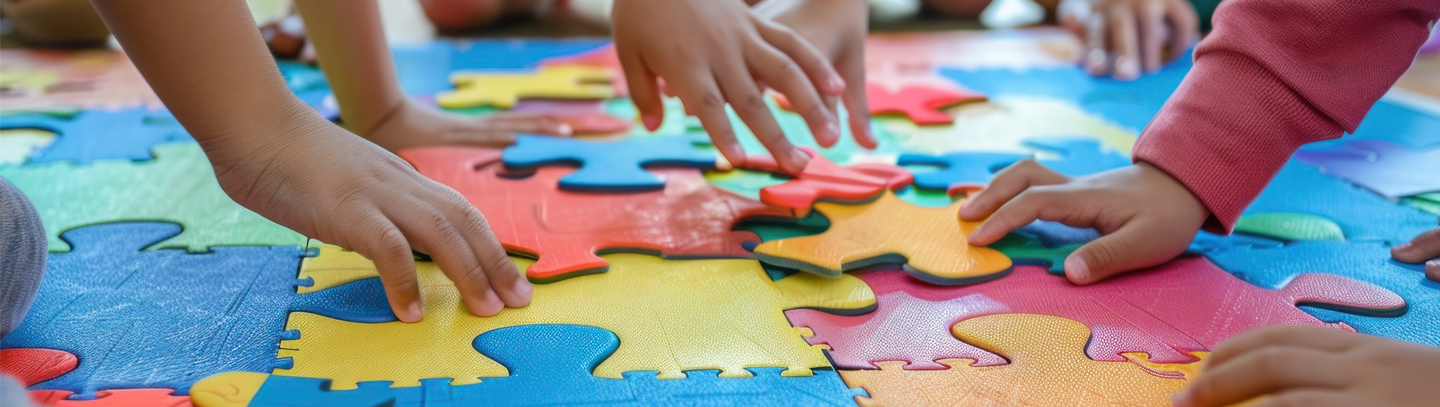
[564,229]
[1387,168]
[1186,305]
[824,179]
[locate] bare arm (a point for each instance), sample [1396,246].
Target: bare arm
[350,44]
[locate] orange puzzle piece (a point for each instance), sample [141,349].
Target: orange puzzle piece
[931,241]
[1048,367]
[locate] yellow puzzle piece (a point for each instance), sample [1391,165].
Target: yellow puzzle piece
[503,90]
[1048,367]
[931,241]
[670,315]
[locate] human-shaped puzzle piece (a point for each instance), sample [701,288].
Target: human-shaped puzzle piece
[930,241]
[565,229]
[1389,169]
[100,134]
[1079,156]
[609,166]
[1047,367]
[540,359]
[178,185]
[824,180]
[697,314]
[171,317]
[503,90]
[1187,305]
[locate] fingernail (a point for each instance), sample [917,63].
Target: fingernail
[800,158]
[651,122]
[837,85]
[1127,68]
[565,130]
[416,312]
[833,130]
[1076,268]
[1096,59]
[523,288]
[1403,246]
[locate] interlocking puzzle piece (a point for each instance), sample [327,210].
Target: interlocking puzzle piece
[1289,226]
[565,229]
[1426,202]
[178,185]
[958,167]
[541,359]
[1024,248]
[113,398]
[1184,306]
[1046,368]
[503,90]
[825,180]
[1362,215]
[100,134]
[603,57]
[671,316]
[1003,125]
[1389,169]
[1360,260]
[35,365]
[930,241]
[17,145]
[169,317]
[923,105]
[609,166]
[1080,156]
[585,117]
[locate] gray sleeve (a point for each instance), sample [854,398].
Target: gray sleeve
[22,255]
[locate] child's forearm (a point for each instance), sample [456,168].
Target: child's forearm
[350,44]
[207,62]
[1272,76]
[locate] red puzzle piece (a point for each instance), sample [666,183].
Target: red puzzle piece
[1186,305]
[113,398]
[922,104]
[564,229]
[823,179]
[35,365]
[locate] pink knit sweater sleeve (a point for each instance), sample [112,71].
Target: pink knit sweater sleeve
[1271,76]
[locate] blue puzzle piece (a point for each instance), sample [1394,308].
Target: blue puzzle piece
[425,69]
[357,301]
[1365,261]
[1131,104]
[100,134]
[1206,242]
[1082,155]
[157,318]
[1362,215]
[959,167]
[609,165]
[1394,123]
[551,365]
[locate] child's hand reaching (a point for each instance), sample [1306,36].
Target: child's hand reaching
[1423,249]
[715,52]
[1146,215]
[1314,366]
[1124,37]
[317,179]
[412,124]
[838,29]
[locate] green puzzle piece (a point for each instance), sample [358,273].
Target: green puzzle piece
[1289,226]
[177,186]
[1024,248]
[1428,202]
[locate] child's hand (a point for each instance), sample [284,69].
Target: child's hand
[1121,37]
[1146,215]
[1314,366]
[838,29]
[1422,248]
[328,184]
[711,52]
[411,124]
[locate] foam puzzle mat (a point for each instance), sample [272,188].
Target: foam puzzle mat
[664,278]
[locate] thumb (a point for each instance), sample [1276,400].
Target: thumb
[1137,244]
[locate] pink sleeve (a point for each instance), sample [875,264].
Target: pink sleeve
[1273,75]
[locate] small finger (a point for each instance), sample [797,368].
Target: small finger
[857,100]
[810,60]
[1265,371]
[1026,207]
[1006,185]
[1152,35]
[1302,336]
[1097,56]
[644,91]
[1418,250]
[1124,31]
[774,67]
[749,104]
[395,264]
[703,99]
[433,231]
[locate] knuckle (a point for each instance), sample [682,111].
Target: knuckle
[711,101]
[754,103]
[391,242]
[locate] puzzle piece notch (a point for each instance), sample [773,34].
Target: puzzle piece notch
[930,241]
[695,315]
[35,365]
[1389,169]
[100,134]
[503,90]
[1046,367]
[1184,306]
[823,180]
[609,166]
[233,301]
